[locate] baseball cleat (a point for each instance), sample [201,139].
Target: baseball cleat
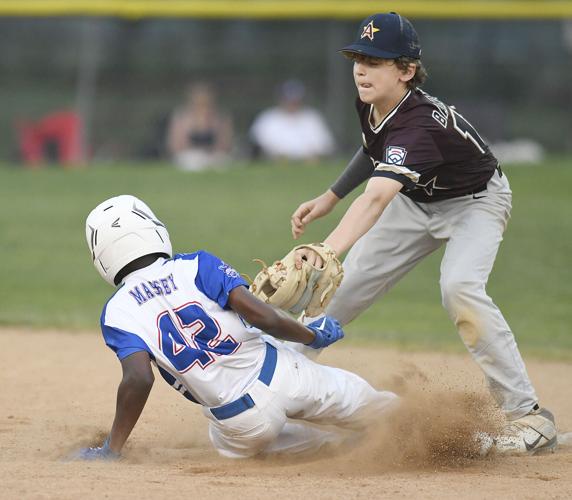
[533,433]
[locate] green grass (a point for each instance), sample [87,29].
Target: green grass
[48,279]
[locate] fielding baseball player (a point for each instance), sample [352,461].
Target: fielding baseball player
[193,316]
[432,181]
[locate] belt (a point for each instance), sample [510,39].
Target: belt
[245,402]
[483,186]
[473,191]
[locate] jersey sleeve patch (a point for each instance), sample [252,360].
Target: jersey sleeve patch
[216,279]
[395,155]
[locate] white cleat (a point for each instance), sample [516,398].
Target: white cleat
[533,433]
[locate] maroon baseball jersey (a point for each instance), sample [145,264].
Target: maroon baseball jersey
[427,146]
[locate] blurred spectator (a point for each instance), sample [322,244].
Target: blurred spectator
[199,136]
[154,147]
[518,151]
[55,138]
[291,130]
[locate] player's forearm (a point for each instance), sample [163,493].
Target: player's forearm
[268,318]
[358,220]
[131,398]
[357,171]
[282,326]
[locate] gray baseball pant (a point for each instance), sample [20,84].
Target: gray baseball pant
[472,228]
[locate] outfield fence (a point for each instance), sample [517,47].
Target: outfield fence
[125,65]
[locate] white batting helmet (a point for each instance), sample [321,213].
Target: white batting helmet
[120,230]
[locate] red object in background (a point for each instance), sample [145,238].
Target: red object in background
[59,133]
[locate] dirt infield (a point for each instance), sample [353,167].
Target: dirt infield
[58,393]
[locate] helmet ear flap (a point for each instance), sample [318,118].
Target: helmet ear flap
[122,229]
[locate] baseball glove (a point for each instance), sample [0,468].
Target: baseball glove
[308,289]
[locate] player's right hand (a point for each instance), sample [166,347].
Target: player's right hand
[310,210]
[327,330]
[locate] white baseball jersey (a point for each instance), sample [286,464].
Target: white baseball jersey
[177,310]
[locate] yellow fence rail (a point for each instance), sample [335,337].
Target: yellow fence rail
[291,9]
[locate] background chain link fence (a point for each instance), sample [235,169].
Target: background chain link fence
[511,78]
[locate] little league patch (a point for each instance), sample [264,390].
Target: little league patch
[395,155]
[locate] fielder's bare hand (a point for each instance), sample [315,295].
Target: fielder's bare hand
[310,256]
[310,210]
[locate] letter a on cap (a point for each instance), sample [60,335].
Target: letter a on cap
[369,30]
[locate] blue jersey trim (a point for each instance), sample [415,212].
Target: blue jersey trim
[175,384]
[128,351]
[122,342]
[215,278]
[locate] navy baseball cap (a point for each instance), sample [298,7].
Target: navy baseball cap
[386,36]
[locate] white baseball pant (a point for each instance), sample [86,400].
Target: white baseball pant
[299,393]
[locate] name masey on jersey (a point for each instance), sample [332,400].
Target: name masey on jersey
[149,290]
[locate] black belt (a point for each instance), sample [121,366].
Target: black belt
[483,186]
[245,402]
[477,190]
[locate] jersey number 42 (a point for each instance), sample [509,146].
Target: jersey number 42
[195,340]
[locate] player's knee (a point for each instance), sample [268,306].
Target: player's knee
[456,292]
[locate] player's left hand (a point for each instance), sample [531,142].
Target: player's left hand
[103,452]
[327,330]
